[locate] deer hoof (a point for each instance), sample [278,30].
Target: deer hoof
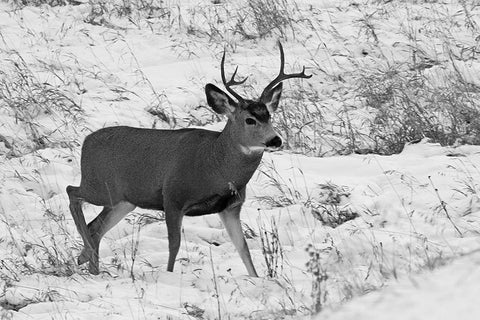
[93,267]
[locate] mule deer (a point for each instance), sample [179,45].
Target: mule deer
[189,172]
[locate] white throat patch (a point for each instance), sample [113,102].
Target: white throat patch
[250,150]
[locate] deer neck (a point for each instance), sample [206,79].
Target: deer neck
[235,163]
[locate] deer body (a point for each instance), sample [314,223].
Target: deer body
[178,161]
[189,172]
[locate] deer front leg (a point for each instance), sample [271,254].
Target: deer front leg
[173,219]
[231,220]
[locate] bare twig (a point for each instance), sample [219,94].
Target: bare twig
[444,207]
[217,295]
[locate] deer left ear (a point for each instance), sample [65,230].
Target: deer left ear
[272,99]
[219,101]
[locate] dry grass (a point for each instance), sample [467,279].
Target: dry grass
[382,103]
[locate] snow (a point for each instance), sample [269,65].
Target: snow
[444,293]
[405,256]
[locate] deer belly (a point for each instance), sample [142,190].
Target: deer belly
[146,197]
[211,204]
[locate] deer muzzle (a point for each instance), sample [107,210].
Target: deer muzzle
[275,142]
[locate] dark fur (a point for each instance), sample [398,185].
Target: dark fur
[259,111]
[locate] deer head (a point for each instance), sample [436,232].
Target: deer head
[250,120]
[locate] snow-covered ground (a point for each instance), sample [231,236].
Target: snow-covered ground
[412,252]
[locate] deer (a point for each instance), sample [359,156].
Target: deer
[183,172]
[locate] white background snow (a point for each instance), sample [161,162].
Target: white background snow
[406,256]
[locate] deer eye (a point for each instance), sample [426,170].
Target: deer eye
[250,121]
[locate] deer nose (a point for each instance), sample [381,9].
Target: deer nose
[274,142]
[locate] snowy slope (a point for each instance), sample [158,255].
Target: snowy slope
[446,293]
[411,252]
[399,231]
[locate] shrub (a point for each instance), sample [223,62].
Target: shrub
[407,107]
[36,109]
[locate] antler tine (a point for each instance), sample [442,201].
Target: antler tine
[232,81]
[282,75]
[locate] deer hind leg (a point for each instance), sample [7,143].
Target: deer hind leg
[231,220]
[79,219]
[90,254]
[106,220]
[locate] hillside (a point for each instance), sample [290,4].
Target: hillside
[371,209]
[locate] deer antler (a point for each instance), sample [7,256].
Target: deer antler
[232,81]
[281,75]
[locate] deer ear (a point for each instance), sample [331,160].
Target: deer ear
[272,98]
[219,101]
